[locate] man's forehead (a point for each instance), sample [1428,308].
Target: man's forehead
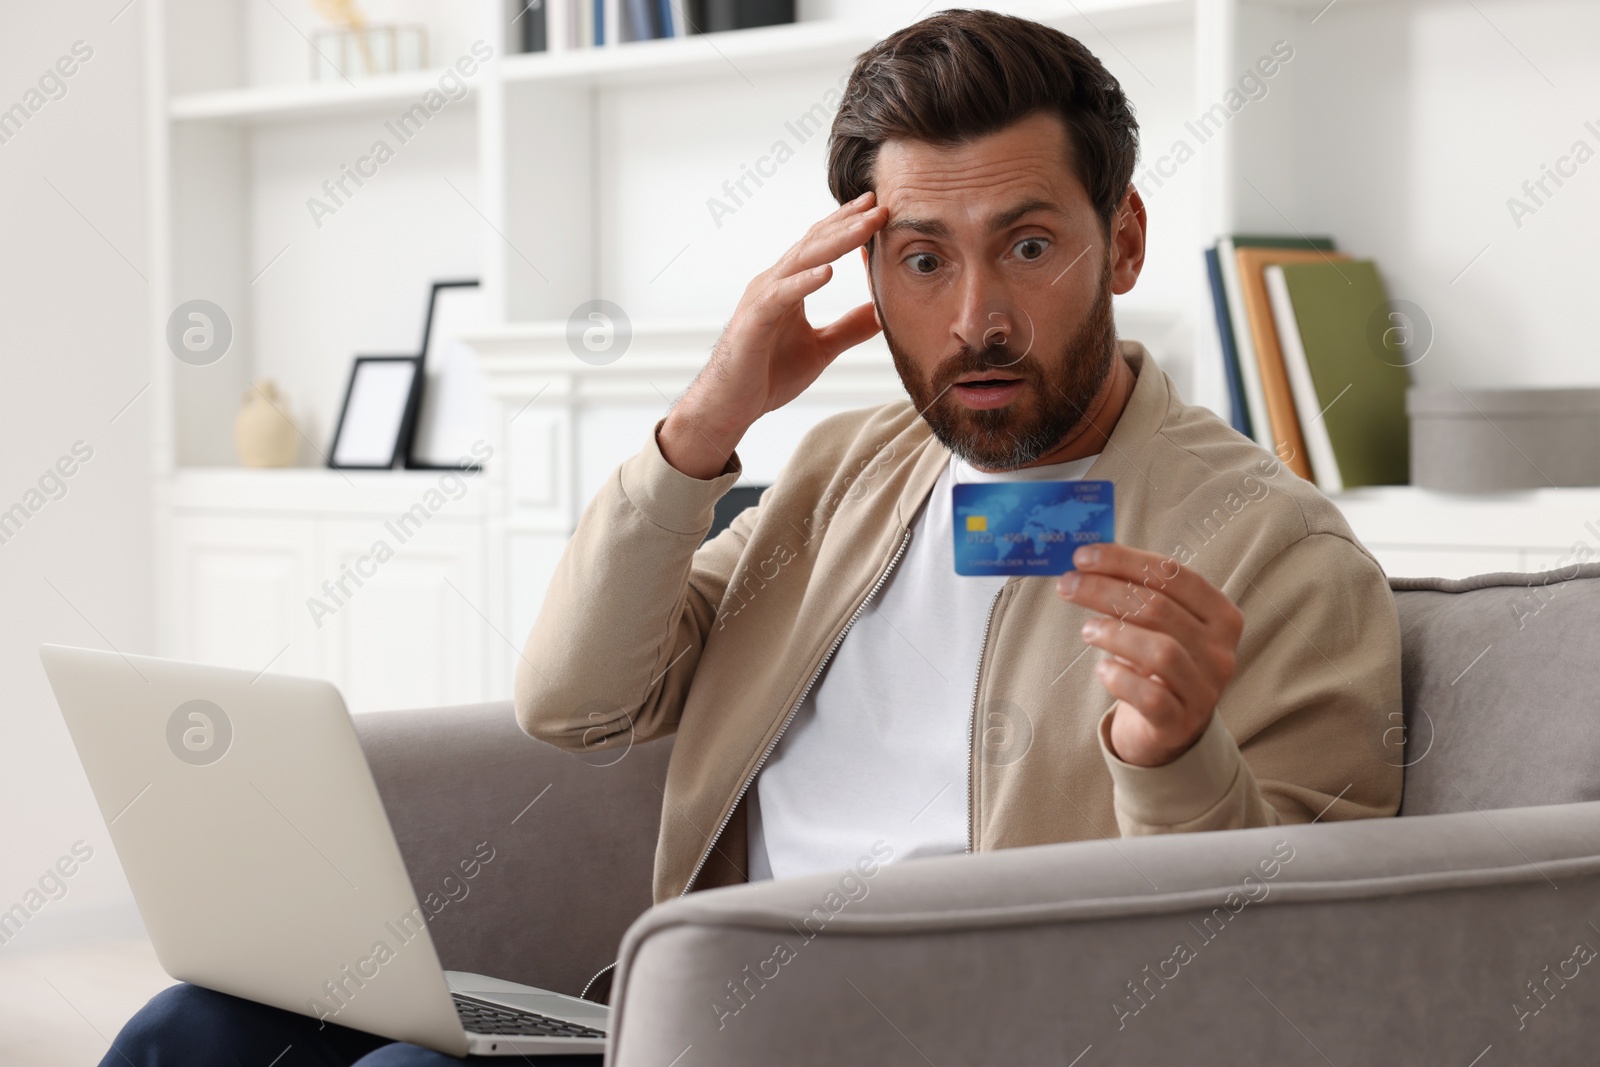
[1025,164]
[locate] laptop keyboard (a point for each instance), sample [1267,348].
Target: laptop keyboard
[479,1017]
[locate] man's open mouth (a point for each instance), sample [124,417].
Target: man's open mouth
[989,390]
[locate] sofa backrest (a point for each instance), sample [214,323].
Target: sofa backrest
[569,840]
[1499,674]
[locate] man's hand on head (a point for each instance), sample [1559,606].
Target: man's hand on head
[1172,639]
[769,353]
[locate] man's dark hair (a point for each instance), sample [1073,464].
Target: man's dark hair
[960,75]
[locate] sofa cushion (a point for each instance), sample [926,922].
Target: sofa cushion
[1500,704]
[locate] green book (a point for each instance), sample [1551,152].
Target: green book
[1255,398]
[1345,352]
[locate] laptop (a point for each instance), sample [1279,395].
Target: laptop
[246,818]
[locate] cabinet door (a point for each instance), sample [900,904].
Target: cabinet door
[530,559]
[400,625]
[239,588]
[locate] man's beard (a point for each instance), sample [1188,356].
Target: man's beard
[1013,436]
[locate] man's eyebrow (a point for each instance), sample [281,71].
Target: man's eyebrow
[1006,219]
[1002,220]
[926,227]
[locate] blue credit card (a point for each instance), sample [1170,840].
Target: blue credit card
[1011,528]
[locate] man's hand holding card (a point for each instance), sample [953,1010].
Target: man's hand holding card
[1172,638]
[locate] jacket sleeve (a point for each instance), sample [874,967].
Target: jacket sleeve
[617,639]
[1310,726]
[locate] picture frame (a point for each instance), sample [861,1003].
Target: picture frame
[378,414]
[452,415]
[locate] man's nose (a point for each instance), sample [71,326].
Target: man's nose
[986,317]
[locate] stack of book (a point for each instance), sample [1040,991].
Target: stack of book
[589,23]
[1316,359]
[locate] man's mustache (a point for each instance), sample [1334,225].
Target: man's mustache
[969,360]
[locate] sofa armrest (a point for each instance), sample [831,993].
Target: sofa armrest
[572,839]
[1377,941]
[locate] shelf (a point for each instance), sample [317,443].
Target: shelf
[313,100]
[799,44]
[291,491]
[678,59]
[695,56]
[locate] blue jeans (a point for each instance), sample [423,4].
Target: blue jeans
[187,1026]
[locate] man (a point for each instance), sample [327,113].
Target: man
[834,686]
[837,691]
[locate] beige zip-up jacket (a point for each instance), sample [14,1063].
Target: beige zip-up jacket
[646,632]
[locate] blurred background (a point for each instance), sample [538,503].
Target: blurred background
[546,210]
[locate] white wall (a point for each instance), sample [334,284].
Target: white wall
[72,356]
[356,284]
[1454,106]
[655,184]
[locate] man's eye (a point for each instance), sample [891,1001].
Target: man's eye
[1031,247]
[924,262]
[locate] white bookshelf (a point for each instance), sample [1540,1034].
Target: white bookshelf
[568,179]
[1399,128]
[264,104]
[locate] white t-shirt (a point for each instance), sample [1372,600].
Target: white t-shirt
[879,748]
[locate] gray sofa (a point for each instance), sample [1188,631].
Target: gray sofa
[1463,933]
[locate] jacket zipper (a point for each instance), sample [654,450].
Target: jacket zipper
[972,732]
[837,641]
[972,727]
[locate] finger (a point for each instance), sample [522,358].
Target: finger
[1132,604]
[840,215]
[865,202]
[862,202]
[1159,572]
[1155,655]
[831,239]
[786,293]
[848,330]
[1152,700]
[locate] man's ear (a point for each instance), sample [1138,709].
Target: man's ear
[1128,231]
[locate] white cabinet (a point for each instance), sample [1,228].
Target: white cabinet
[237,583]
[418,588]
[413,634]
[354,577]
[1419,533]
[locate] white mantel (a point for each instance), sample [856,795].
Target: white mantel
[559,426]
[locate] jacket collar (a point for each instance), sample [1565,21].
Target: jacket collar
[1141,418]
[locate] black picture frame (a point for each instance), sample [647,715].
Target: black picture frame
[365,371]
[413,459]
